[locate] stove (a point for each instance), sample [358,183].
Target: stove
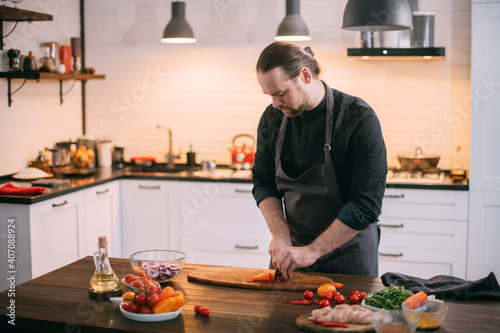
[412,176]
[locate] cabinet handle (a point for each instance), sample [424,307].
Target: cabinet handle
[102,192]
[402,195]
[65,202]
[239,190]
[391,225]
[144,187]
[255,247]
[391,254]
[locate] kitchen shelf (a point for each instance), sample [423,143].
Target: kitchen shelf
[425,52]
[10,14]
[46,76]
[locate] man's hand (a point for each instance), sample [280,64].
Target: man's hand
[294,257]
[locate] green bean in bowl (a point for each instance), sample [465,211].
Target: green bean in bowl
[389,298]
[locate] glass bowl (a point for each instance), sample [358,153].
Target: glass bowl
[390,321]
[431,313]
[160,265]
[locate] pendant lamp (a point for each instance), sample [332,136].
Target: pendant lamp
[377,15]
[178,29]
[292,28]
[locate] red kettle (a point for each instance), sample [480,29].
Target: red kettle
[243,156]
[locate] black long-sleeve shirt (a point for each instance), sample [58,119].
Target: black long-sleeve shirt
[358,154]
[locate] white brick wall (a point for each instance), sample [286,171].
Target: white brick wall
[207,91]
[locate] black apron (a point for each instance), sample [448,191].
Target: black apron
[312,202]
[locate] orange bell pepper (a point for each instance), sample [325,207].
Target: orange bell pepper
[165,305]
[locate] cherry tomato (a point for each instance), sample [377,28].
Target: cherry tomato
[354,298]
[362,295]
[153,299]
[128,296]
[197,308]
[153,288]
[326,287]
[335,293]
[324,302]
[129,277]
[339,299]
[355,292]
[308,294]
[130,306]
[144,309]
[328,296]
[141,299]
[205,312]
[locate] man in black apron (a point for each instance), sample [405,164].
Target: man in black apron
[320,169]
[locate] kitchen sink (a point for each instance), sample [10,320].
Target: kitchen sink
[161,168]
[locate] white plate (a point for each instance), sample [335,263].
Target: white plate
[150,317]
[374,309]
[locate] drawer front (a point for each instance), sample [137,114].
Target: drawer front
[228,212]
[421,270]
[59,203]
[237,252]
[426,204]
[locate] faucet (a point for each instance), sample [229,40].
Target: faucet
[170,155]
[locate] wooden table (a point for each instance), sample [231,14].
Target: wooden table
[58,302]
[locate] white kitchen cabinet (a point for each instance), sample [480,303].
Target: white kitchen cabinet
[484,222]
[102,217]
[222,225]
[149,215]
[56,233]
[424,232]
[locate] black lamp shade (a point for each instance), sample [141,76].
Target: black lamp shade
[292,28]
[377,15]
[178,29]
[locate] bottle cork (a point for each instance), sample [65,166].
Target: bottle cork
[102,241]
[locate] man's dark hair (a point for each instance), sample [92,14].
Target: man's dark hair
[288,56]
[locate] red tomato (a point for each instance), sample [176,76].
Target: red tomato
[339,299]
[308,294]
[328,295]
[153,299]
[355,292]
[145,310]
[197,308]
[140,299]
[129,277]
[135,283]
[324,302]
[354,298]
[205,312]
[153,288]
[130,306]
[362,295]
[335,293]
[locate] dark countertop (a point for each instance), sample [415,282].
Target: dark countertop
[104,175]
[58,302]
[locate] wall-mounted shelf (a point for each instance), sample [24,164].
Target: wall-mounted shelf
[424,52]
[46,76]
[9,14]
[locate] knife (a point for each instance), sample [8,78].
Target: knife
[277,273]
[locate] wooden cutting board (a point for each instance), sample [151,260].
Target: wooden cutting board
[307,325]
[237,278]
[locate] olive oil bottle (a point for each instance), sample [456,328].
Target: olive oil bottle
[104,278]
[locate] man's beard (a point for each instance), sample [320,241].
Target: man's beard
[295,112]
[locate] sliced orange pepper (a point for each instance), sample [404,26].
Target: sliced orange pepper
[140,271]
[165,305]
[337,285]
[264,277]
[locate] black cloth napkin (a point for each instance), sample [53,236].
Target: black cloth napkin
[448,287]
